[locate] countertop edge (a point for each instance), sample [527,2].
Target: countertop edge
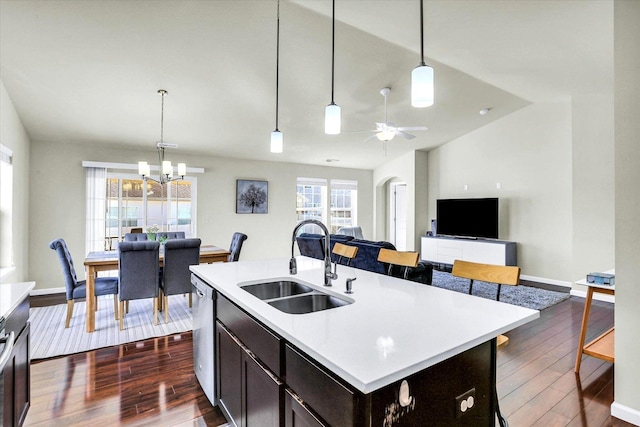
[15,293]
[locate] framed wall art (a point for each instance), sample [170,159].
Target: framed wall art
[252,196]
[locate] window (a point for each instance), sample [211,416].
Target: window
[132,203]
[344,200]
[6,207]
[311,203]
[120,202]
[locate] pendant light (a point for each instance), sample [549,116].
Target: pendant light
[332,118]
[276,136]
[165,166]
[422,75]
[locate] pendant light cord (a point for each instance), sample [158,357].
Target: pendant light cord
[277,61]
[333,48]
[421,34]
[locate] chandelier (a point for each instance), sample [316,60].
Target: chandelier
[165,166]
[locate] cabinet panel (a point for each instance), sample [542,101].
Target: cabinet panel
[297,415]
[261,341]
[334,402]
[445,250]
[21,376]
[228,373]
[262,395]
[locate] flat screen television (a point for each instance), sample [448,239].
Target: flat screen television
[474,218]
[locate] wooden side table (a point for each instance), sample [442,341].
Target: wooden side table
[601,347]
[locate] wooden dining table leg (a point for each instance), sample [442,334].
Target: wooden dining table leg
[90,299]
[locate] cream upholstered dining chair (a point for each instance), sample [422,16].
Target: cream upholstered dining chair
[179,254]
[402,259]
[139,274]
[75,288]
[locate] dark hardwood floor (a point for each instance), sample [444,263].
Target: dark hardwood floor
[152,382]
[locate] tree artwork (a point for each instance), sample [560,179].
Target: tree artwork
[251,197]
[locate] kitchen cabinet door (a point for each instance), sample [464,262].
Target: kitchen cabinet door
[296,415]
[229,372]
[262,395]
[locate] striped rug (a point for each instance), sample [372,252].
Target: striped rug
[49,338]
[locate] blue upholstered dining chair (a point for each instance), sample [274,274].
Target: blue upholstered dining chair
[135,237]
[179,254]
[75,288]
[169,235]
[236,246]
[139,274]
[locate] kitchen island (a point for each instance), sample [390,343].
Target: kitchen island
[398,352]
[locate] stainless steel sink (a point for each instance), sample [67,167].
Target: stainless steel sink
[293,297]
[307,303]
[276,289]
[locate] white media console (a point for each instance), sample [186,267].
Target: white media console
[445,250]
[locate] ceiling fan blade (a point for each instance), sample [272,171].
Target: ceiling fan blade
[372,137]
[359,131]
[413,128]
[404,134]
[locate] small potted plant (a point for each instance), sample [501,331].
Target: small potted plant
[152,231]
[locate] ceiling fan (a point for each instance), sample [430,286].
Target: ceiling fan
[386,131]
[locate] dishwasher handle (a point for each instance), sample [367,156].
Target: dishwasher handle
[202,289]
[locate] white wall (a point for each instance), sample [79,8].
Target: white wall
[627,202]
[13,135]
[529,154]
[593,184]
[411,169]
[58,202]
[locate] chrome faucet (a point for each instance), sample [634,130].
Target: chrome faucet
[328,275]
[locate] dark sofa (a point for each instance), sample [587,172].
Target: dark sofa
[312,245]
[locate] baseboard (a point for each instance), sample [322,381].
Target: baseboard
[596,296]
[47,291]
[560,283]
[625,413]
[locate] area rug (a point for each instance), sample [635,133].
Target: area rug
[523,296]
[49,338]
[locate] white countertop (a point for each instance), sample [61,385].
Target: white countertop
[393,329]
[11,294]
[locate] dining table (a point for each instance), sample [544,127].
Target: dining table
[108,260]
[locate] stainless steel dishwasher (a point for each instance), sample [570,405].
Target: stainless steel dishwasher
[204,336]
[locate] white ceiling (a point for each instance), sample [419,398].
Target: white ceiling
[89,71]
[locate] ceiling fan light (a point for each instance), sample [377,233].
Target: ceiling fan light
[276,141]
[422,86]
[385,135]
[332,119]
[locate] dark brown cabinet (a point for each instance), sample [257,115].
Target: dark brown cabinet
[298,415]
[248,392]
[229,366]
[16,372]
[265,381]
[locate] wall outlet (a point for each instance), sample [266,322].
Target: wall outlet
[465,402]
